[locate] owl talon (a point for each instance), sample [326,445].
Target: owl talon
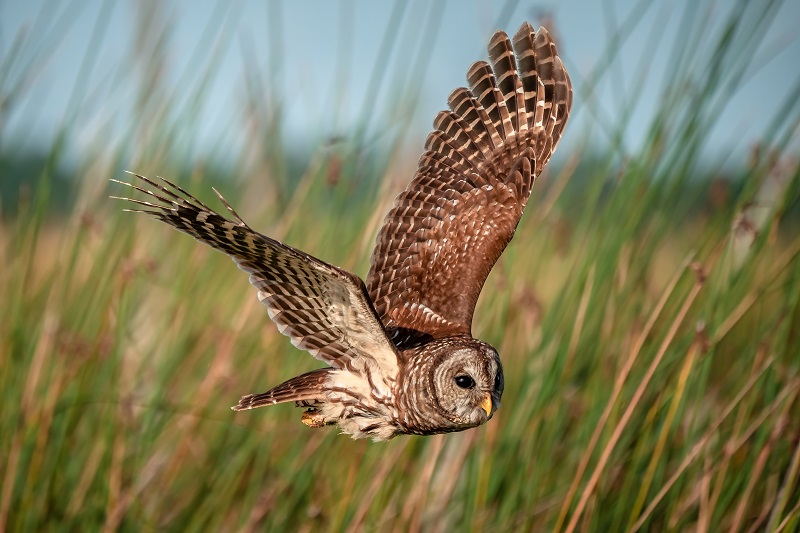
[313,418]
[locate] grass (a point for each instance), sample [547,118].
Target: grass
[648,319]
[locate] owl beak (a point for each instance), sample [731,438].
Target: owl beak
[486,404]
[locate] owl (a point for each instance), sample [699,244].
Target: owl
[399,351]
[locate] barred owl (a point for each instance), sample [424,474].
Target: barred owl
[400,354]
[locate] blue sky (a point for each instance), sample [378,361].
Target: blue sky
[326,54]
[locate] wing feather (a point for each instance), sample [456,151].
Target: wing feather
[321,308]
[449,227]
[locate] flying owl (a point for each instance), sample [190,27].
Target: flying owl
[400,354]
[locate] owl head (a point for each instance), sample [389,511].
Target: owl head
[466,381]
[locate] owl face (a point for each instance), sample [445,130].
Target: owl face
[468,384]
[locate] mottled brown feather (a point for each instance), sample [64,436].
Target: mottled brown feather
[451,224]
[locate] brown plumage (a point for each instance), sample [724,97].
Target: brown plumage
[399,348]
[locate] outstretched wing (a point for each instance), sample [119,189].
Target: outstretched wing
[449,227]
[321,308]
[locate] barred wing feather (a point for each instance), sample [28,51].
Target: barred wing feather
[322,309]
[448,228]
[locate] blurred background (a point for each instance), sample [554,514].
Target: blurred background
[647,311]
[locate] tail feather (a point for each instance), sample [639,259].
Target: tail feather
[308,387]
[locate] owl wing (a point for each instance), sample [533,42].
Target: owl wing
[449,227]
[321,308]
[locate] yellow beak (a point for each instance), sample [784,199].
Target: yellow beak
[486,404]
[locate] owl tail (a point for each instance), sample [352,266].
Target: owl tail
[308,387]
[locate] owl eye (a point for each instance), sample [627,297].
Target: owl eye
[465,382]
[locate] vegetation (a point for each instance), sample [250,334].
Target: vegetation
[647,313]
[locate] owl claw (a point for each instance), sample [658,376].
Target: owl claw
[313,419]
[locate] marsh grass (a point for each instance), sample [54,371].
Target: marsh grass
[647,314]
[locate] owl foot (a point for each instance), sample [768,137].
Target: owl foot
[314,419]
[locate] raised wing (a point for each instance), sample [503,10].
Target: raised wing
[321,308]
[449,227]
